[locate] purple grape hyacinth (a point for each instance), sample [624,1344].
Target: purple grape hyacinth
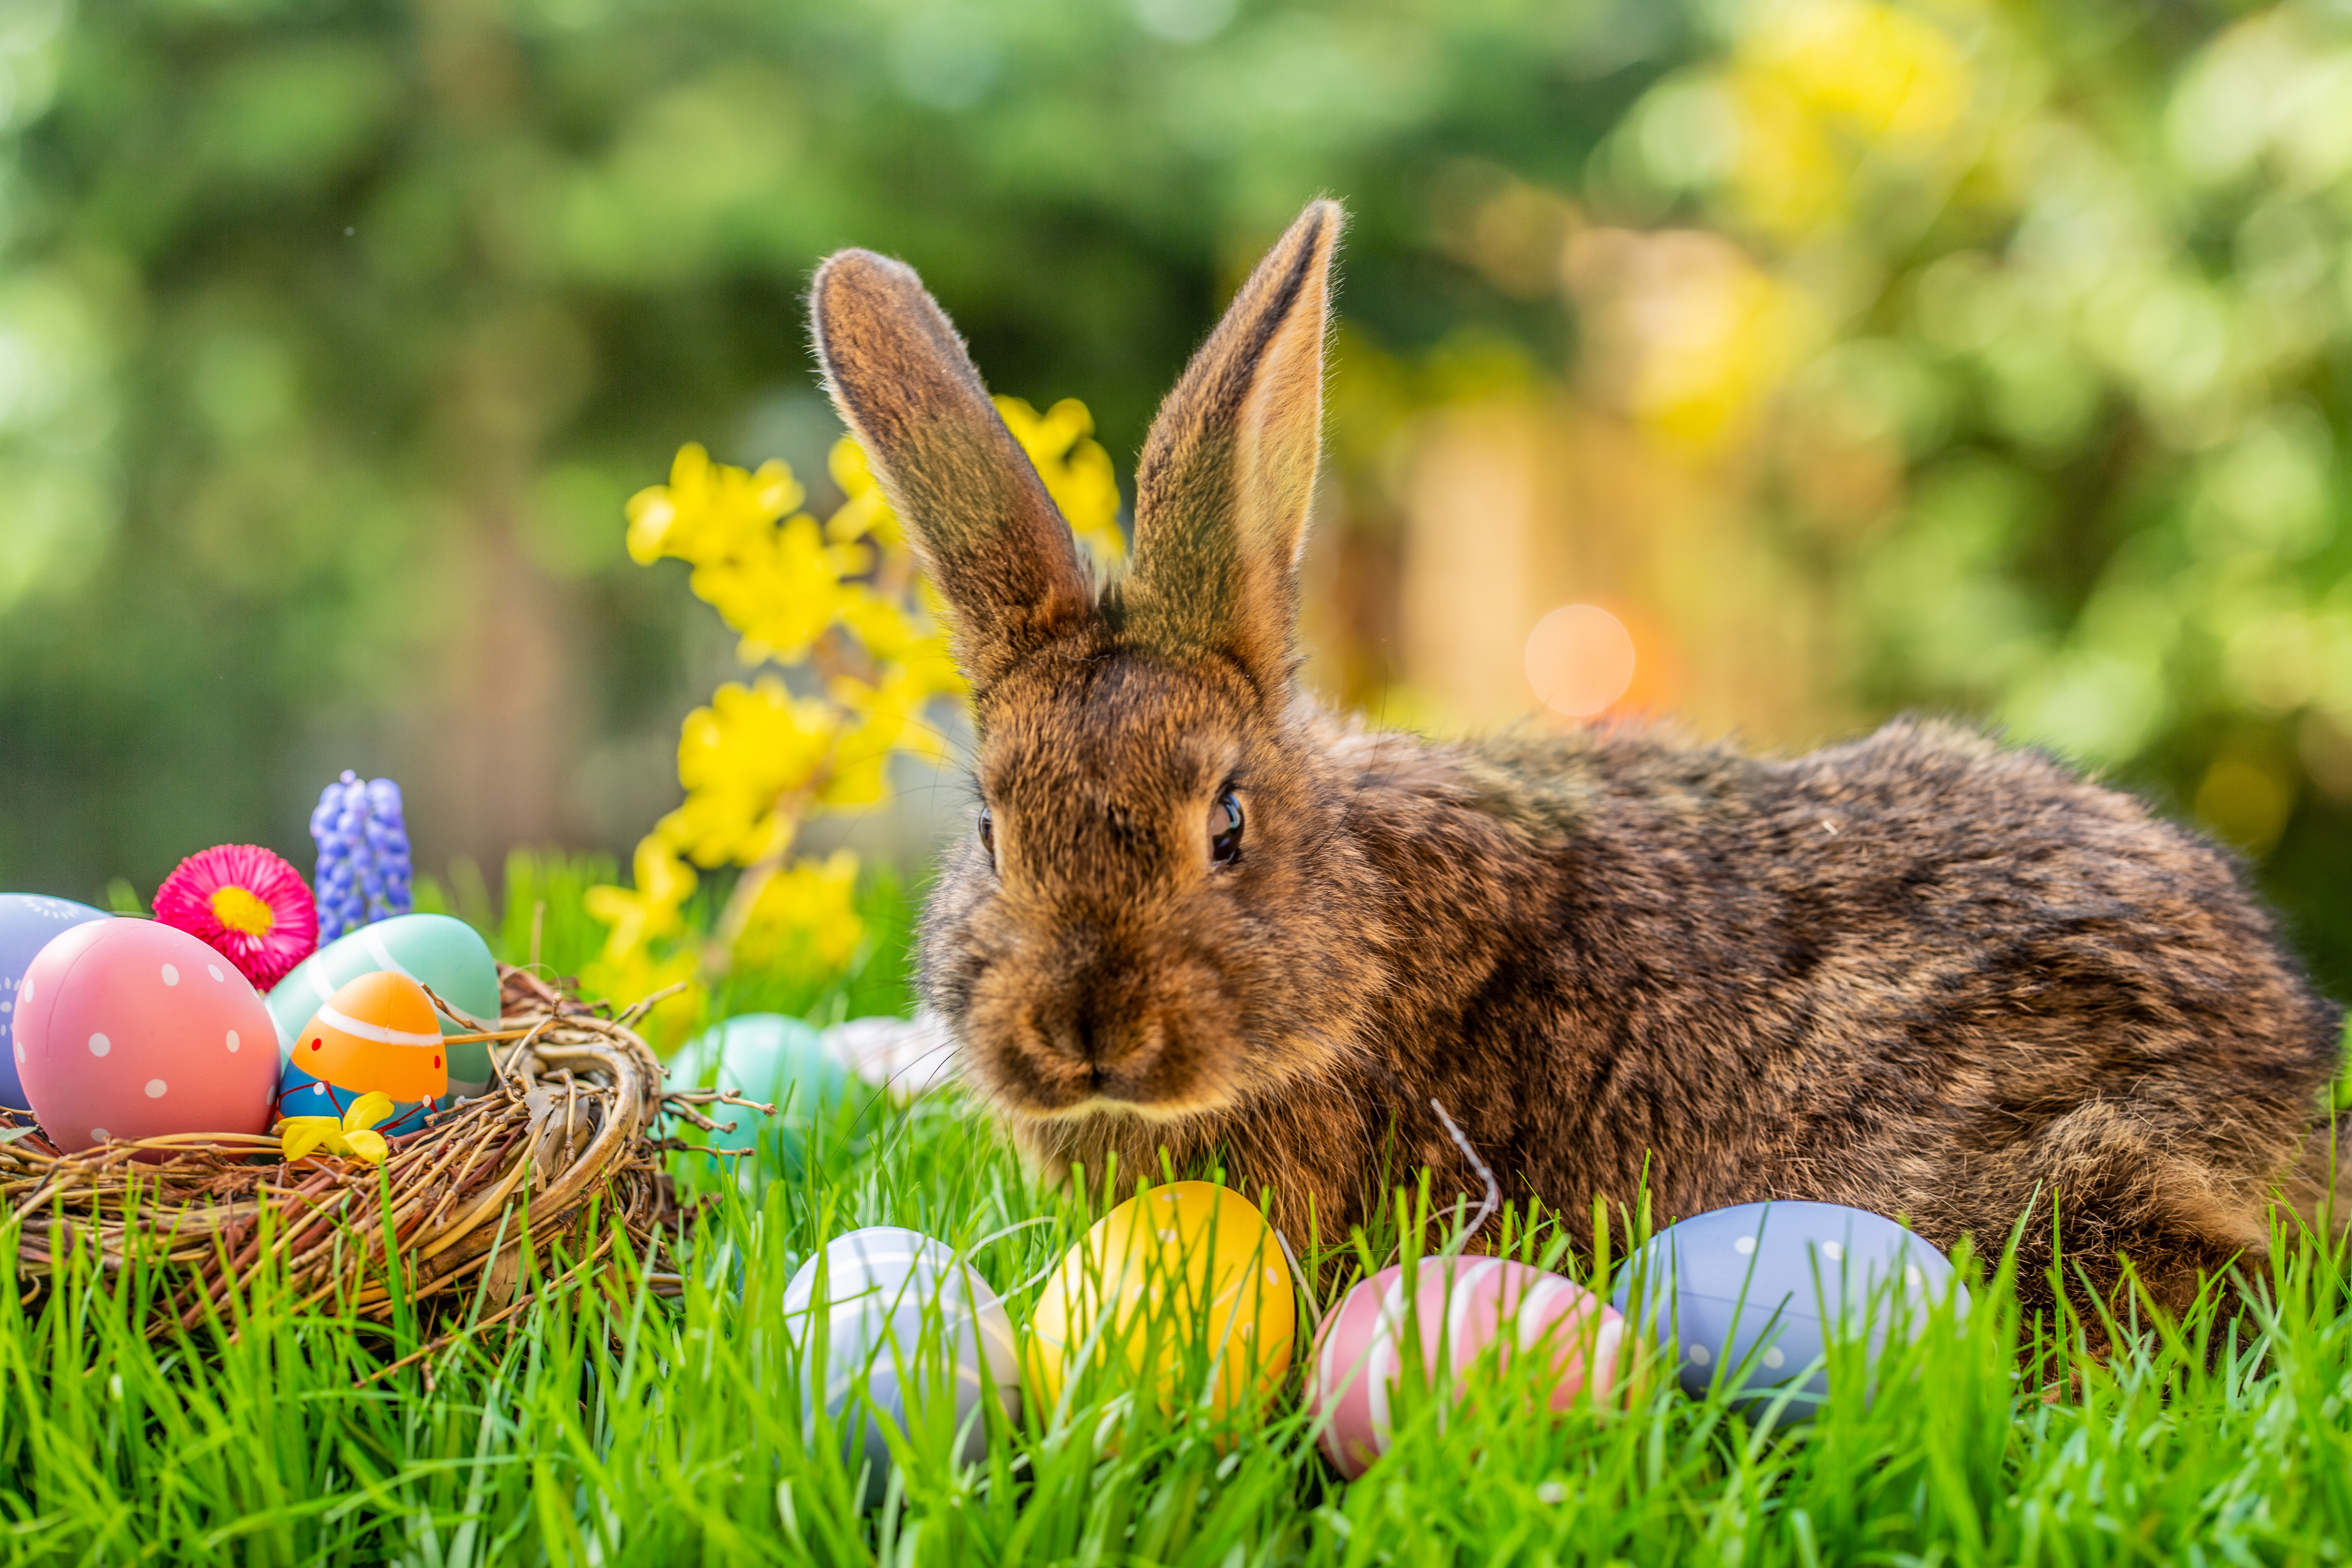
[365,870]
[387,838]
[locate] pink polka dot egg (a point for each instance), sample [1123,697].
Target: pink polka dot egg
[128,1028]
[1462,1307]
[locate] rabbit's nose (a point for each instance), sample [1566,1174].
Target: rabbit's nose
[1093,1038]
[1086,1037]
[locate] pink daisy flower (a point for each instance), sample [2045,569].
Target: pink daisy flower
[251,907]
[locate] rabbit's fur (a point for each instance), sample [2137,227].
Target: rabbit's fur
[1919,974]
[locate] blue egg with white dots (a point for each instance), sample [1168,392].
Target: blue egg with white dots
[1748,1298]
[27,922]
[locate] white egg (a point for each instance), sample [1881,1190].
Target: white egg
[903,1322]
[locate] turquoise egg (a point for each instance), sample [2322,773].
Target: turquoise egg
[769,1058]
[439,951]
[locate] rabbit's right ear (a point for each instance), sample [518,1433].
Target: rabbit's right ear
[1223,487]
[972,501]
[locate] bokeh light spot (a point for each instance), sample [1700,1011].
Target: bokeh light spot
[1580,660]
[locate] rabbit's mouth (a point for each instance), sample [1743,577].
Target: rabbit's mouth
[1066,1065]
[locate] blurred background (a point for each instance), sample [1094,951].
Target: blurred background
[1780,364]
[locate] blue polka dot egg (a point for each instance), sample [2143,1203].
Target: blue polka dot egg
[27,922]
[1749,1298]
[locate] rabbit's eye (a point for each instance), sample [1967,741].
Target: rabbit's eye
[988,834]
[1225,829]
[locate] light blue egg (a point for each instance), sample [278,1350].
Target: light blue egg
[1748,1298]
[439,951]
[27,922]
[902,1321]
[767,1057]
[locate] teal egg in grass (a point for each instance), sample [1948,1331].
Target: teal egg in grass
[771,1059]
[905,1331]
[439,951]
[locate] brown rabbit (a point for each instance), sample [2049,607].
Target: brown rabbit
[1920,974]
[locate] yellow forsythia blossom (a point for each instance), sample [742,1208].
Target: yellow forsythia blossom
[741,759]
[807,913]
[651,912]
[640,972]
[1076,469]
[844,597]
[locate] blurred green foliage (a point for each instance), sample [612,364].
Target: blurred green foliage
[539,917]
[333,334]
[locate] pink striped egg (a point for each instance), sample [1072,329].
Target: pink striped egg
[1463,1305]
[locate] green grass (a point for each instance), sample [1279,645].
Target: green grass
[611,1426]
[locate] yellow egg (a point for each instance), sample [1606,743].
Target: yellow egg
[1187,1284]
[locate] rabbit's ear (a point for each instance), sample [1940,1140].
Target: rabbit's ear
[1223,487]
[972,501]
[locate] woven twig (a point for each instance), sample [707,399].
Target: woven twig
[569,1132]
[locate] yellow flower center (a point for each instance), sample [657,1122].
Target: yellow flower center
[241,912]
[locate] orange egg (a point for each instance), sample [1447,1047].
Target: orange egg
[379,1032]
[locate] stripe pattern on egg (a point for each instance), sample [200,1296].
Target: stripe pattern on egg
[912,1326]
[439,951]
[1461,1308]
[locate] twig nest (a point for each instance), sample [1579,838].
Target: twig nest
[131,1029]
[1186,1287]
[1446,1313]
[892,1324]
[560,1149]
[1749,1298]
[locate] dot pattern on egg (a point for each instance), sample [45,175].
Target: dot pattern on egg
[376,1034]
[28,923]
[109,1040]
[1754,1296]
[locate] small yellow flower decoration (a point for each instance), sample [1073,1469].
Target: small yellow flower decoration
[352,1136]
[845,600]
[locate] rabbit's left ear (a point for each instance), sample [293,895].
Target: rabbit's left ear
[972,501]
[1227,473]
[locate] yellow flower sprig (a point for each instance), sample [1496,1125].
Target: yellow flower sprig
[845,600]
[352,1135]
